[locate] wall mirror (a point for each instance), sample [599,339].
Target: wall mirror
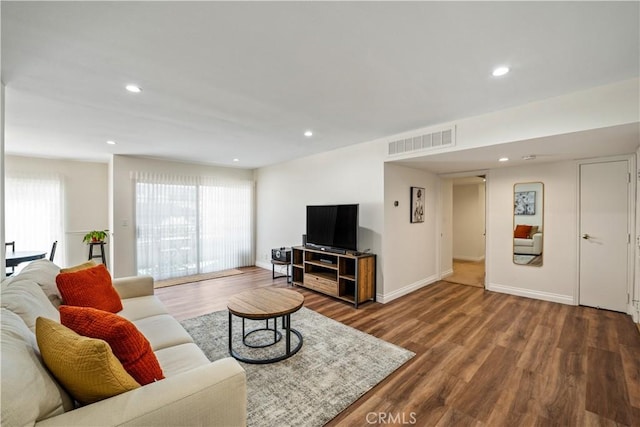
[528,223]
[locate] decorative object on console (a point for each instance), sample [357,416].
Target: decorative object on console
[281,254]
[417,204]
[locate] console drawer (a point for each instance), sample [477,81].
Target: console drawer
[321,284]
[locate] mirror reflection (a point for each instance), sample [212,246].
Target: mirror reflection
[528,220]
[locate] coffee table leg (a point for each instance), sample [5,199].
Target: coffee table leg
[275,330]
[288,328]
[230,335]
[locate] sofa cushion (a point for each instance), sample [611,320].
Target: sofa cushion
[162,331]
[83,266]
[522,231]
[127,343]
[27,299]
[90,287]
[523,242]
[86,367]
[29,392]
[181,358]
[43,272]
[141,307]
[534,230]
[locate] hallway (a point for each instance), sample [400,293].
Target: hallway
[470,273]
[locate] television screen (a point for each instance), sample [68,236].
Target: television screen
[333,226]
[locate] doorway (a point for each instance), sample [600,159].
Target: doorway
[605,234]
[468,231]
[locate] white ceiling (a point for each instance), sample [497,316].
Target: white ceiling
[225,80]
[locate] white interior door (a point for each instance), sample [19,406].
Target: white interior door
[604,234]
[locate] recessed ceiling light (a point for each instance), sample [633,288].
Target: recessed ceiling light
[236,160]
[529,157]
[503,159]
[308,133]
[500,71]
[110,142]
[133,88]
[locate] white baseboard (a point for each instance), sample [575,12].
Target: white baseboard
[265,265]
[446,273]
[528,293]
[406,290]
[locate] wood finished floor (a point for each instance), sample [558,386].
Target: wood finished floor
[482,358]
[470,273]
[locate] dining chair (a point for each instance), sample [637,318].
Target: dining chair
[53,251]
[10,270]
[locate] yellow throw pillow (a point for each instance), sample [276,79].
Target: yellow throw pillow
[85,367]
[79,267]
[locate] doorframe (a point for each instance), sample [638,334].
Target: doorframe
[631,229]
[465,174]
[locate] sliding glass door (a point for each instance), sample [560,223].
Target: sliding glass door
[189,225]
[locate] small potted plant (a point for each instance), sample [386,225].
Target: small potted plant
[95,236]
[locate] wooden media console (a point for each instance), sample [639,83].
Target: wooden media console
[348,277]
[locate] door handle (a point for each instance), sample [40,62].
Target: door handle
[585,236]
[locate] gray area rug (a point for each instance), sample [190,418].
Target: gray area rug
[335,366]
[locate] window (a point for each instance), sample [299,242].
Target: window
[192,225]
[34,212]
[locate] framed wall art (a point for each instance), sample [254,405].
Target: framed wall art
[525,203]
[417,204]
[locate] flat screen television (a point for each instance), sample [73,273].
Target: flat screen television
[333,227]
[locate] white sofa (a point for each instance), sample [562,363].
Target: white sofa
[531,246]
[195,391]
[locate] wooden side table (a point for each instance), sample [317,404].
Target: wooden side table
[275,262]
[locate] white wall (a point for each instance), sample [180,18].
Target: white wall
[636,287]
[468,222]
[410,249]
[603,106]
[556,279]
[85,200]
[2,238]
[353,174]
[121,201]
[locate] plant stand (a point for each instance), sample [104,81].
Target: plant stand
[100,255]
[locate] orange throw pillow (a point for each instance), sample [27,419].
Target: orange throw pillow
[90,287]
[127,343]
[522,232]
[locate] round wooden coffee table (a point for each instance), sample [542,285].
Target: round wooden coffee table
[266,304]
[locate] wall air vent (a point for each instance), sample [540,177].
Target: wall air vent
[429,141]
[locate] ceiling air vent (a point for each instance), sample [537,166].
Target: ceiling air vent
[429,141]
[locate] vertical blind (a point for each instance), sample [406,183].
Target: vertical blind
[34,212]
[191,225]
